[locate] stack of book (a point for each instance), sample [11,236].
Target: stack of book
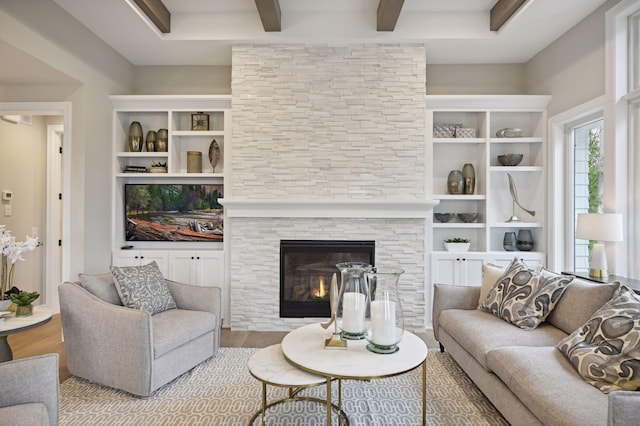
[135,169]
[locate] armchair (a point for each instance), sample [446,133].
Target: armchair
[131,349]
[30,391]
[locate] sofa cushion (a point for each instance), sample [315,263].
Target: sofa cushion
[102,286]
[490,274]
[606,350]
[524,296]
[549,386]
[143,288]
[479,332]
[176,327]
[579,302]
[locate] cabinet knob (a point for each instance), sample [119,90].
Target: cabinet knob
[458,259]
[198,257]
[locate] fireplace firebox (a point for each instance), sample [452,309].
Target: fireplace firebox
[306,270]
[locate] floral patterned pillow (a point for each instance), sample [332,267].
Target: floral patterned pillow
[143,288]
[606,349]
[525,297]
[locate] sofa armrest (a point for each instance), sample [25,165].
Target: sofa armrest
[624,408]
[32,380]
[452,297]
[196,298]
[95,330]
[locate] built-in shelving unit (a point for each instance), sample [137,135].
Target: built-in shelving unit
[491,198]
[200,263]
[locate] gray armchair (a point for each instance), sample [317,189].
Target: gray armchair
[30,391]
[130,349]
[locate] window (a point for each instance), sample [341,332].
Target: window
[588,172]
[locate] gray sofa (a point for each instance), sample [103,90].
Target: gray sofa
[521,372]
[130,349]
[30,391]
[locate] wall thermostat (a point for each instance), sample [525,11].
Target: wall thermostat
[7,195]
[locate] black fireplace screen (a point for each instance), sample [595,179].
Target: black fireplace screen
[306,270]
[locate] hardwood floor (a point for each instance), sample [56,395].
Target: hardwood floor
[48,339]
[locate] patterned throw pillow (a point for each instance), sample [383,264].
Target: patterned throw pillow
[143,288]
[606,349]
[490,274]
[523,296]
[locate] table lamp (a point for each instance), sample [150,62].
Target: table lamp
[599,227]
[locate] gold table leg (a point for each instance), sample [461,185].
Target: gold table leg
[424,393]
[264,401]
[328,400]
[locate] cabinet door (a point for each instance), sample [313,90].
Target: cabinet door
[531,259]
[471,270]
[445,270]
[210,269]
[182,266]
[141,257]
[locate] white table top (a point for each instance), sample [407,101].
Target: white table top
[270,366]
[304,347]
[13,324]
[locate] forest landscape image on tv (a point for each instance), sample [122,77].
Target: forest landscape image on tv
[173,212]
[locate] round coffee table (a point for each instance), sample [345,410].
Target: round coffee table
[13,324]
[304,348]
[269,366]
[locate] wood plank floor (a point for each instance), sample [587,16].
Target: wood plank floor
[48,339]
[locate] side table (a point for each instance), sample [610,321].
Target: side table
[269,366]
[629,282]
[13,324]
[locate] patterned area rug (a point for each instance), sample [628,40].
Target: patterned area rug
[222,392]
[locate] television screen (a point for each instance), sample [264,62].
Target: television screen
[167,212]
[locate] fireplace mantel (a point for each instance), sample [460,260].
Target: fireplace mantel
[318,208]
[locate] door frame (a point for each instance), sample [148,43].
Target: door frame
[60,109]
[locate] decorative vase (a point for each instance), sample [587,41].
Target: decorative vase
[214,154]
[151,141]
[352,315]
[162,140]
[455,182]
[469,176]
[194,162]
[24,310]
[387,321]
[509,241]
[136,137]
[525,240]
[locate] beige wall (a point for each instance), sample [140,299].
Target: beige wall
[571,69]
[481,79]
[182,80]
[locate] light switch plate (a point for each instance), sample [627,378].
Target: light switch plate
[7,210]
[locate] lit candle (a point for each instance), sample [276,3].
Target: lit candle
[353,309]
[383,322]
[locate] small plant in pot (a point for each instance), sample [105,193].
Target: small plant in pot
[23,301]
[457,244]
[158,167]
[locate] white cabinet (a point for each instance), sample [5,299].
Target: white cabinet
[464,269]
[203,268]
[486,115]
[142,257]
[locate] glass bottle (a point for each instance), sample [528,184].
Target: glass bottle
[387,320]
[352,314]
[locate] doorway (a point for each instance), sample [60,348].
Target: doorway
[57,219]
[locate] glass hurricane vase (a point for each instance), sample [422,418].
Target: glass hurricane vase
[387,320]
[352,314]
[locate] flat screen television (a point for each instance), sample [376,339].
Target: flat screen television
[173,212]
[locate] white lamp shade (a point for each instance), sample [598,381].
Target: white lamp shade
[599,226]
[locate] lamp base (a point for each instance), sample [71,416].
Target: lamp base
[598,273]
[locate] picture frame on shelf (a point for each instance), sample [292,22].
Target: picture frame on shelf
[199,121]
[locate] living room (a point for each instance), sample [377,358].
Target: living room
[83,71]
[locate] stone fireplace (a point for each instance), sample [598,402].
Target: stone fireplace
[307,268]
[328,144]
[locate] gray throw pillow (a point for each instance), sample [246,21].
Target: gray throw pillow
[525,297]
[143,288]
[101,286]
[606,349]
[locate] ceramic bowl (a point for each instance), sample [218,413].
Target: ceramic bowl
[510,159]
[4,305]
[443,217]
[467,217]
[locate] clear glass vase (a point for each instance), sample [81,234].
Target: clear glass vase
[386,320]
[352,314]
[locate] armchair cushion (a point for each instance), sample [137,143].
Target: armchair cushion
[177,327]
[102,286]
[143,288]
